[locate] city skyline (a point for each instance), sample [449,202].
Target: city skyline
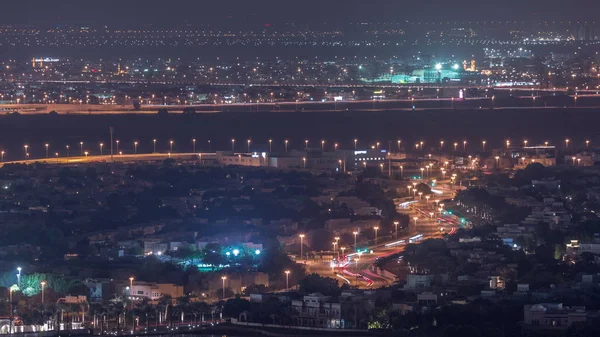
[111,12]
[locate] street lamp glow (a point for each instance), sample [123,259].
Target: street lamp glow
[438,66]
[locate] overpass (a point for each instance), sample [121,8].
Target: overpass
[122,158]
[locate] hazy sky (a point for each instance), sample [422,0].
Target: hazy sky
[197,11]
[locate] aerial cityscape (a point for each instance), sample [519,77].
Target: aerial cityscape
[287,168]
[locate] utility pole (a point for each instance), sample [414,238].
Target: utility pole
[111,130]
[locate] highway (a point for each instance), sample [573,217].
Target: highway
[149,157]
[357,268]
[427,103]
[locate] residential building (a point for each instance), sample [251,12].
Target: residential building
[317,310]
[154,291]
[552,316]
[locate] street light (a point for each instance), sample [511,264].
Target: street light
[301,246]
[525,142]
[26,152]
[464,145]
[81,148]
[356,141]
[483,145]
[322,146]
[153,145]
[587,143]
[249,141]
[101,147]
[286,145]
[304,161]
[270,144]
[117,141]
[171,146]
[232,144]
[46,146]
[567,143]
[223,278]
[43,284]
[455,146]
[2,153]
[306,144]
[194,145]
[376,229]
[287,279]
[135,145]
[415,218]
[355,234]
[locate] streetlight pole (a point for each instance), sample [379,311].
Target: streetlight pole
[287,279]
[135,144]
[232,144]
[171,146]
[153,148]
[301,246]
[376,229]
[396,223]
[286,145]
[46,146]
[249,141]
[223,278]
[43,284]
[194,145]
[81,148]
[355,246]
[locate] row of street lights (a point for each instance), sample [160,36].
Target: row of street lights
[286,142]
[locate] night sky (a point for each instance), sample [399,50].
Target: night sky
[172,12]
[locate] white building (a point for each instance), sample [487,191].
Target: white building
[552,316]
[153,291]
[317,310]
[414,281]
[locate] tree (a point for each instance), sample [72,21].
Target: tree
[314,283]
[235,306]
[256,289]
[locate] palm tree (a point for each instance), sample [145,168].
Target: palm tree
[116,309]
[183,304]
[165,302]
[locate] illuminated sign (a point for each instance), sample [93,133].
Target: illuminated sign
[46,59]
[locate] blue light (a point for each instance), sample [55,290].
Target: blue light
[236,252]
[257,252]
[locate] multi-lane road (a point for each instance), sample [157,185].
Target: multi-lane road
[358,268]
[149,157]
